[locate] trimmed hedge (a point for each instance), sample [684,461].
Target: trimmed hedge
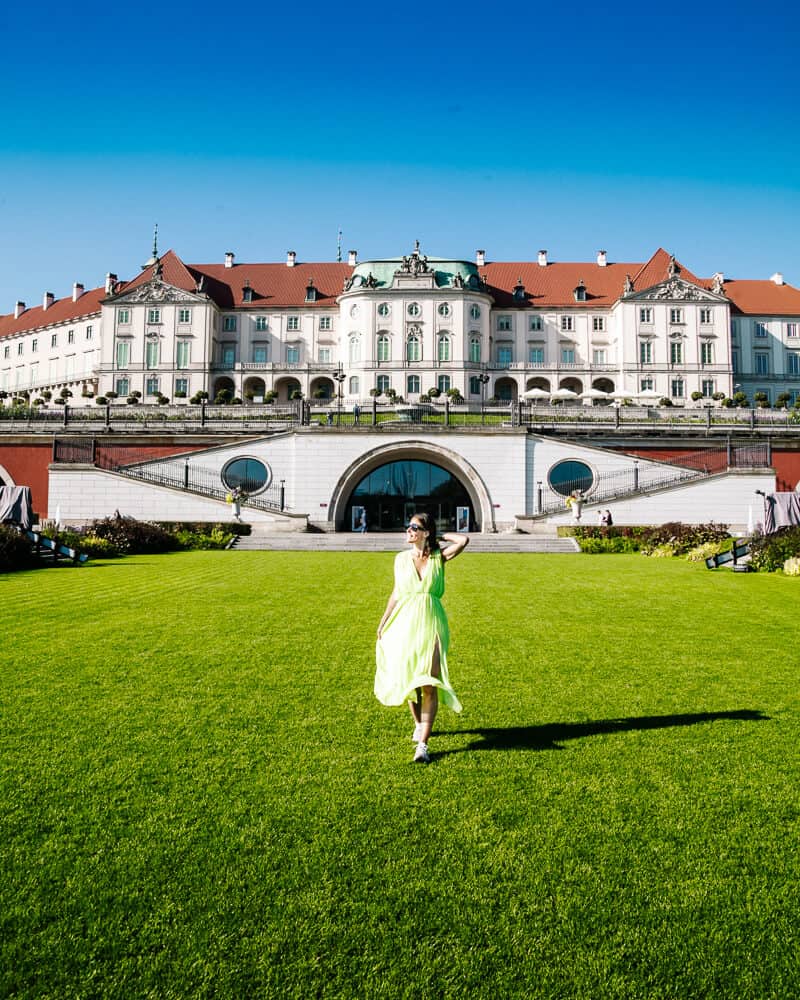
[770,552]
[671,539]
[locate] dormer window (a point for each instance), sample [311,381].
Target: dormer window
[519,291]
[311,291]
[247,292]
[580,291]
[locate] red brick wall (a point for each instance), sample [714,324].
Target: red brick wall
[787,470]
[27,465]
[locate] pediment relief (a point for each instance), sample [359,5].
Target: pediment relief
[674,289]
[157,291]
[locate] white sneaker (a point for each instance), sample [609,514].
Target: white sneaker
[421,755]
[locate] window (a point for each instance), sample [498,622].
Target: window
[793,362]
[734,329]
[646,384]
[676,315]
[475,311]
[54,340]
[152,353]
[182,386]
[228,355]
[535,323]
[791,329]
[676,352]
[260,354]
[184,315]
[677,388]
[70,336]
[761,329]
[569,475]
[384,309]
[292,355]
[645,352]
[475,349]
[504,324]
[354,390]
[444,349]
[325,323]
[707,352]
[762,363]
[646,315]
[414,309]
[474,385]
[261,324]
[567,324]
[443,383]
[505,354]
[20,347]
[153,315]
[354,349]
[34,345]
[383,383]
[292,322]
[444,309]
[6,351]
[384,348]
[248,474]
[735,361]
[151,386]
[567,355]
[413,351]
[412,384]
[122,386]
[598,324]
[123,317]
[705,317]
[599,357]
[184,349]
[535,355]
[229,324]
[324,355]
[89,332]
[707,387]
[123,354]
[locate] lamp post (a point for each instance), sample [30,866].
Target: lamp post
[340,377]
[483,378]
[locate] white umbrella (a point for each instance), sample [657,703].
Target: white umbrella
[648,394]
[595,394]
[536,394]
[563,394]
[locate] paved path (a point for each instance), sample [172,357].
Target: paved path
[390,542]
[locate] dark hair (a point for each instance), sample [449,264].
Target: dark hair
[428,524]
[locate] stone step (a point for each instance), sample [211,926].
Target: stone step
[391,542]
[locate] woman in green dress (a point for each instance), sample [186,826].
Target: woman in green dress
[413,636]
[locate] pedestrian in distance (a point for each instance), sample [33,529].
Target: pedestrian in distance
[413,634]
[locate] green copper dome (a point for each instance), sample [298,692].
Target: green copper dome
[447,273]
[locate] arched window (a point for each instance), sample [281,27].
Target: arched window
[443,383]
[354,390]
[383,384]
[384,347]
[412,384]
[413,348]
[475,349]
[474,385]
[444,348]
[354,352]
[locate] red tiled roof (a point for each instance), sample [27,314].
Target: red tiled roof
[763,298]
[173,272]
[656,270]
[554,284]
[61,311]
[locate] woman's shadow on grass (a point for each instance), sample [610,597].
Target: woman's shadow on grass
[552,735]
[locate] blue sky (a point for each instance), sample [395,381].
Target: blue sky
[260,129]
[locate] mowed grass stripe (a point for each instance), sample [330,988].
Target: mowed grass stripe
[201,797]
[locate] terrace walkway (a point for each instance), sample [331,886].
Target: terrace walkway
[391,542]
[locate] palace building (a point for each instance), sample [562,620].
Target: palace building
[406,325]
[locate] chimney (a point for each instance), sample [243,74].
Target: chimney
[229,259]
[110,282]
[77,291]
[602,259]
[480,258]
[352,258]
[48,300]
[19,309]
[777,277]
[542,258]
[291,257]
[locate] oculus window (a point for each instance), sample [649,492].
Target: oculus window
[248,474]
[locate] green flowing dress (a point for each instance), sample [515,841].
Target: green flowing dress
[405,650]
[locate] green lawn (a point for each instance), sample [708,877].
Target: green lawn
[201,797]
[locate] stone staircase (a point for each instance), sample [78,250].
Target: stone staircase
[261,540]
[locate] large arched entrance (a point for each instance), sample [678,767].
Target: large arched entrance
[393,481]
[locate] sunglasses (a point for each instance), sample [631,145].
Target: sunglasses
[414,527]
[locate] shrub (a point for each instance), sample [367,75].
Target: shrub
[101,400]
[91,545]
[15,550]
[792,566]
[217,538]
[770,552]
[665,551]
[702,552]
[128,535]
